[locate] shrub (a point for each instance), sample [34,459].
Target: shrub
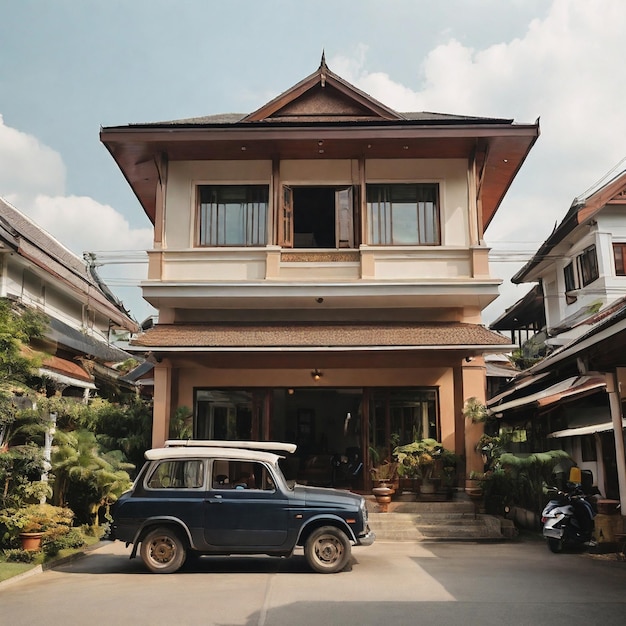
[19,556]
[62,539]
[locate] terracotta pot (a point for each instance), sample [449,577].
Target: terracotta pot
[31,541]
[383,497]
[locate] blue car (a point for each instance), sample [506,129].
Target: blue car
[196,498]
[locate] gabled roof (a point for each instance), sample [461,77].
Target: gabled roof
[323,116]
[611,189]
[322,96]
[38,247]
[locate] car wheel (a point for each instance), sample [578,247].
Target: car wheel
[327,550]
[162,551]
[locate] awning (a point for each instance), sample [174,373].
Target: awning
[322,336]
[63,371]
[66,380]
[584,430]
[583,387]
[525,382]
[574,386]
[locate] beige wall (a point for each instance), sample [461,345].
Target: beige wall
[183,176]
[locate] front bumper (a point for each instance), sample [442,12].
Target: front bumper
[367,539]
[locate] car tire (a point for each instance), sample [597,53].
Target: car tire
[555,545]
[163,551]
[327,550]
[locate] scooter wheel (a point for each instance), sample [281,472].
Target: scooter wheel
[555,545]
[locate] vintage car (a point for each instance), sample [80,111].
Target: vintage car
[194,498]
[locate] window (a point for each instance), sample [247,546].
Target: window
[588,262]
[228,414]
[406,214]
[232,215]
[187,474]
[570,277]
[240,475]
[619,254]
[403,415]
[580,272]
[318,217]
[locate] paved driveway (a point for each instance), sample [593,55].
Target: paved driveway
[390,583]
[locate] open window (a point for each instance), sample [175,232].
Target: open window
[318,217]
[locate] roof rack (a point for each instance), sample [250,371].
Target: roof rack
[269,446]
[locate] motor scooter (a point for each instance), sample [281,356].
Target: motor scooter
[568,519]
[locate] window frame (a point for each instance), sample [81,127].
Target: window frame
[212,218]
[621,246]
[588,265]
[175,463]
[380,212]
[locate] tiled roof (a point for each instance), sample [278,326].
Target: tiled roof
[311,335]
[414,116]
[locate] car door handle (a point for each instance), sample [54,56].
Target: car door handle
[214,500]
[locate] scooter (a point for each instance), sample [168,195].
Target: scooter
[568,519]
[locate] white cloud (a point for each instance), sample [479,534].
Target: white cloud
[567,69]
[27,167]
[32,179]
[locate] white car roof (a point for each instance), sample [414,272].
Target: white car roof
[269,446]
[186,452]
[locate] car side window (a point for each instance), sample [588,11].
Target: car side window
[178,474]
[229,474]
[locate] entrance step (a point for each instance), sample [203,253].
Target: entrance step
[448,520]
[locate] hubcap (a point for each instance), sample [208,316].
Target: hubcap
[328,549]
[162,550]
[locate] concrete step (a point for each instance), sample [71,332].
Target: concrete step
[451,520]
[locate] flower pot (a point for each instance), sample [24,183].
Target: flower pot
[383,497]
[31,541]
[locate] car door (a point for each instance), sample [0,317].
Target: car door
[244,508]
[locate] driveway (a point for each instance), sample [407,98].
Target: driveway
[518,582]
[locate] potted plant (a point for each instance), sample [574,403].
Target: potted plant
[31,523]
[425,454]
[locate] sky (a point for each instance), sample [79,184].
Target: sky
[68,67]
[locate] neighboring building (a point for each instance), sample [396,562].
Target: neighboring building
[38,272]
[581,267]
[319,267]
[572,399]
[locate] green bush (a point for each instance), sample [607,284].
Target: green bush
[62,539]
[17,555]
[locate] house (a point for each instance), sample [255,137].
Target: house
[38,272]
[319,268]
[572,399]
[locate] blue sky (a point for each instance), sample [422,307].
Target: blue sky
[68,67]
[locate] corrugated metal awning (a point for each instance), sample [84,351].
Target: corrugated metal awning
[584,430]
[570,387]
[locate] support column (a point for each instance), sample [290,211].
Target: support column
[162,404]
[615,405]
[474,385]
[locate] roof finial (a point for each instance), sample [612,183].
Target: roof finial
[323,61]
[323,68]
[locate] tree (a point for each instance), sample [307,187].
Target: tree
[86,479]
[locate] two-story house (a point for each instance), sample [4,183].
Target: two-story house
[36,271]
[581,266]
[319,267]
[572,398]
